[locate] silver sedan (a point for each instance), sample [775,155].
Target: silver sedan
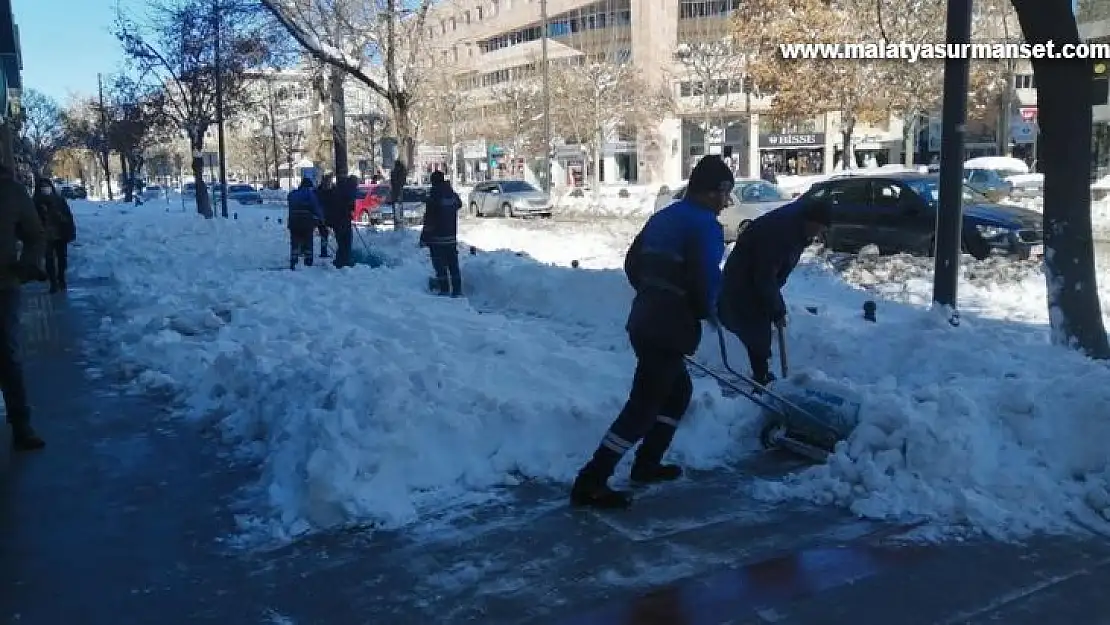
[751,197]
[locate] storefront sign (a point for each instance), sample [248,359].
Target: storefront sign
[795,140]
[1028,113]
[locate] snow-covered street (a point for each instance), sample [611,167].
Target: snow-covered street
[365,401]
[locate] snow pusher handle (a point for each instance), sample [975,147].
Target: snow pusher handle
[784,367]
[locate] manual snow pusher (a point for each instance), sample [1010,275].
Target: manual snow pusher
[803,416]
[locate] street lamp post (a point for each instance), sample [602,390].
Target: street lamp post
[547,148]
[218,63]
[946,272]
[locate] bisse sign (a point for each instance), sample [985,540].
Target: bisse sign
[798,140]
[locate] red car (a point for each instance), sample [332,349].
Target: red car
[368,201]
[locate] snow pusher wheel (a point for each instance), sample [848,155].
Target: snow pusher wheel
[771,431]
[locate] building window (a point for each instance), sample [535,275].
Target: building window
[454,24]
[466,15]
[707,8]
[1024,81]
[478,13]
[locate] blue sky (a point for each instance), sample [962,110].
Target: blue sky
[66,42]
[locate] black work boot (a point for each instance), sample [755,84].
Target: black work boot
[591,491]
[24,438]
[653,472]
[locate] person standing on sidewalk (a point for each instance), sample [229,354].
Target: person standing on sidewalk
[674,264]
[397,178]
[60,228]
[18,224]
[304,215]
[325,193]
[440,232]
[338,215]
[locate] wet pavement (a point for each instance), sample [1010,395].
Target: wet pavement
[125,518]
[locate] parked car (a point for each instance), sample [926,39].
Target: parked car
[367,200]
[189,191]
[411,205]
[988,182]
[238,192]
[751,197]
[153,192]
[508,198]
[73,192]
[898,213]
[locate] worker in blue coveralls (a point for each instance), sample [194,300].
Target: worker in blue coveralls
[674,264]
[305,214]
[766,252]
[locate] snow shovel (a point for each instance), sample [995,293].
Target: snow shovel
[805,417]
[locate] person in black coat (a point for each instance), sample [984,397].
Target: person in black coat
[60,228]
[337,214]
[440,232]
[766,253]
[305,214]
[397,178]
[325,193]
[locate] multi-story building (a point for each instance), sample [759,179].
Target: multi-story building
[293,124]
[1094,26]
[495,43]
[11,81]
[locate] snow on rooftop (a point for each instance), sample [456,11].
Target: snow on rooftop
[366,400]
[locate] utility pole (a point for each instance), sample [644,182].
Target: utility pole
[547,148]
[220,108]
[946,271]
[104,136]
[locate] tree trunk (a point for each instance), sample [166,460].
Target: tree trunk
[848,153]
[1064,97]
[125,177]
[106,167]
[339,122]
[402,123]
[909,137]
[204,203]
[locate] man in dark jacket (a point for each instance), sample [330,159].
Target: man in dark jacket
[60,229]
[766,252]
[325,194]
[441,225]
[674,265]
[338,214]
[397,178]
[305,213]
[19,223]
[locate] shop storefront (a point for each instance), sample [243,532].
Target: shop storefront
[793,154]
[726,138]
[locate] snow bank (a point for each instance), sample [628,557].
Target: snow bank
[365,399]
[368,401]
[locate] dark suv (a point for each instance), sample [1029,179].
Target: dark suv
[898,213]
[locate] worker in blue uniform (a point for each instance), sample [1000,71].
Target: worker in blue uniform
[674,264]
[765,254]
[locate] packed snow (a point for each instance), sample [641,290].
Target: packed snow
[365,400]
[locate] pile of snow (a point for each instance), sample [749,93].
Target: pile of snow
[368,401]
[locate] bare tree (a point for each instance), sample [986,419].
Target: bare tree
[444,110]
[136,123]
[380,43]
[603,99]
[291,142]
[713,75]
[912,89]
[518,117]
[175,50]
[807,87]
[83,121]
[42,131]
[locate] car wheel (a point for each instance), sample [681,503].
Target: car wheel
[507,210]
[474,210]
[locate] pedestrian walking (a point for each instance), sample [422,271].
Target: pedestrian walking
[305,214]
[59,228]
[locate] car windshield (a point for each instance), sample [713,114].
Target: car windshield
[929,189]
[517,186]
[758,192]
[241,188]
